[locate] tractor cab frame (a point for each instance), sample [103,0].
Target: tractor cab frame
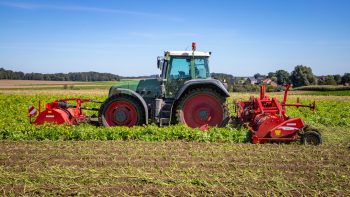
[177,67]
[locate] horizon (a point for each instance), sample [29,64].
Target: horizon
[136,76]
[125,38]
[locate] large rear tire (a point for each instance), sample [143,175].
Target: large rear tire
[202,107]
[121,110]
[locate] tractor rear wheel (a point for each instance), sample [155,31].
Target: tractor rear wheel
[311,138]
[121,110]
[201,108]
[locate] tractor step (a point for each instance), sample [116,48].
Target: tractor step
[164,122]
[164,118]
[165,114]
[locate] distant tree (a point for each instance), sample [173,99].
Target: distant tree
[302,76]
[321,80]
[79,76]
[345,78]
[329,80]
[274,78]
[337,79]
[271,75]
[282,77]
[257,75]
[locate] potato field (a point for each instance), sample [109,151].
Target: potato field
[176,160]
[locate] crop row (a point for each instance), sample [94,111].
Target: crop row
[14,124]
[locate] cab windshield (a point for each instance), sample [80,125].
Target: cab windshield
[189,68]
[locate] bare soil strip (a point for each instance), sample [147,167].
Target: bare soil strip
[172,168]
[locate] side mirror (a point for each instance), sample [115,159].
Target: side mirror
[160,61]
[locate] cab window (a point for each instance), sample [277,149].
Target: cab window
[180,68]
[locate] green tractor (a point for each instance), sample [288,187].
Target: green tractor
[184,93]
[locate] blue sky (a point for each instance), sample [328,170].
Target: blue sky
[125,37]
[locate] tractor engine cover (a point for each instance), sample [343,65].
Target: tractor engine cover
[57,116]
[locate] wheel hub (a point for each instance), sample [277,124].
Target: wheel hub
[203,114]
[120,116]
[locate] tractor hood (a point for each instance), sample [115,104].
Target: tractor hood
[144,87]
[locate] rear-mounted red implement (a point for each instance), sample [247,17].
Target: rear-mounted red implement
[61,112]
[267,120]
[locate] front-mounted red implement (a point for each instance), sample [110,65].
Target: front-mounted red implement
[267,120]
[61,112]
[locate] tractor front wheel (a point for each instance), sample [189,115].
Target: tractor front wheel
[121,110]
[201,108]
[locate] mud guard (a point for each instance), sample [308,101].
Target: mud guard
[200,83]
[114,90]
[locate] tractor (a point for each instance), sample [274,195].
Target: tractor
[183,93]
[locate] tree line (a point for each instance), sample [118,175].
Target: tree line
[303,76]
[300,76]
[72,76]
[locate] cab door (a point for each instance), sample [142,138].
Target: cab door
[178,73]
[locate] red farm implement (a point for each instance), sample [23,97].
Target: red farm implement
[267,120]
[61,112]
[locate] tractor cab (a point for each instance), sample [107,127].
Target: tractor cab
[177,67]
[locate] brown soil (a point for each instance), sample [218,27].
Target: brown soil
[172,168]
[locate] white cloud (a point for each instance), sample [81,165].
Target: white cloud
[34,6]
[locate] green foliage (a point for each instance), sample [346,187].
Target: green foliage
[247,87]
[322,88]
[330,80]
[282,77]
[74,76]
[271,74]
[258,75]
[302,76]
[337,79]
[346,78]
[327,80]
[14,125]
[330,93]
[328,113]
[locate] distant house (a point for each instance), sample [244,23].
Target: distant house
[266,81]
[260,79]
[252,80]
[269,82]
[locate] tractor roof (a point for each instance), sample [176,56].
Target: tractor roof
[187,53]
